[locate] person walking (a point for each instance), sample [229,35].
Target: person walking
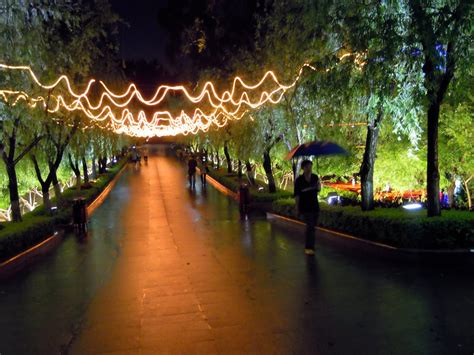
[203,168]
[244,200]
[306,191]
[192,164]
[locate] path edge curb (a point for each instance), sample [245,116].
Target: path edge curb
[376,245]
[224,189]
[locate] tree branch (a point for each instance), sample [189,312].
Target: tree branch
[37,170]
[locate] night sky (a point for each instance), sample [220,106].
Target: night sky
[152,41]
[143,38]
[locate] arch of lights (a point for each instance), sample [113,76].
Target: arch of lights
[112,110]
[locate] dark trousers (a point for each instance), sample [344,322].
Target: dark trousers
[310,218]
[203,178]
[192,179]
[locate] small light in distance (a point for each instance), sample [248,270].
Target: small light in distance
[413,206]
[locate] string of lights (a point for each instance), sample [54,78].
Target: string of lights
[112,110]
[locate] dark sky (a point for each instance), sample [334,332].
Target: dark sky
[143,39]
[160,29]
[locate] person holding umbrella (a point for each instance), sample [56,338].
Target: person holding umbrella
[307,187]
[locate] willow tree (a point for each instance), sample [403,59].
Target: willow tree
[443,31]
[60,38]
[22,29]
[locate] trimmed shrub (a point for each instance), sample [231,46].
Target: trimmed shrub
[232,183]
[395,227]
[37,225]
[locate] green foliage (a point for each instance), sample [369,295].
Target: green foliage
[400,163]
[233,183]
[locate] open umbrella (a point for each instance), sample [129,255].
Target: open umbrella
[316,148]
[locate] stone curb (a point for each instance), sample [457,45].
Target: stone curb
[367,245]
[225,190]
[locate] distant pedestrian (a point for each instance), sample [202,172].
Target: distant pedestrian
[203,168]
[443,199]
[244,200]
[307,187]
[192,164]
[133,156]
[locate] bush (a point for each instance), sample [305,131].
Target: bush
[37,225]
[229,182]
[232,183]
[17,237]
[270,197]
[395,227]
[347,197]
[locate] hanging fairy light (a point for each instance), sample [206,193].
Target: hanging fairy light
[112,111]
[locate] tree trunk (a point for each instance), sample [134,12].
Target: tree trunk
[45,184]
[296,166]
[84,170]
[77,172]
[57,188]
[227,157]
[100,165]
[218,161]
[94,168]
[451,193]
[239,169]
[368,164]
[46,199]
[103,165]
[468,193]
[248,166]
[267,166]
[432,171]
[13,190]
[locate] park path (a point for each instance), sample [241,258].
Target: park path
[168,270]
[170,290]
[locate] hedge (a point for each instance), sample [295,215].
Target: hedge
[37,226]
[395,226]
[232,183]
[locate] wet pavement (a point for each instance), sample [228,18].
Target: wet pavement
[169,270]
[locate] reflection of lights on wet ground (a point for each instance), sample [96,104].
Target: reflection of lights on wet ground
[412,206]
[246,234]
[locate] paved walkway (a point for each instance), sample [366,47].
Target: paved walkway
[170,290]
[167,270]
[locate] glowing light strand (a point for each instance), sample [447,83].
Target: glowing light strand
[162,123]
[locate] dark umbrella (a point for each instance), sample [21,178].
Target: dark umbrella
[316,148]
